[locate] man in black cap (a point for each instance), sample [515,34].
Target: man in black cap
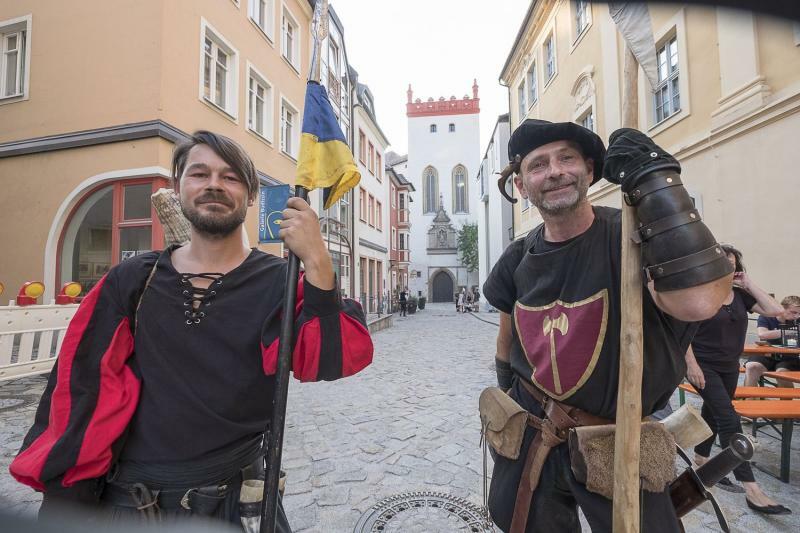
[558,291]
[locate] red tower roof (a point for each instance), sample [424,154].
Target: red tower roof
[442,106]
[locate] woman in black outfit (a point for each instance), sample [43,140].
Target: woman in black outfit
[712,366]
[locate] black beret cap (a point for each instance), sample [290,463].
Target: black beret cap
[533,133]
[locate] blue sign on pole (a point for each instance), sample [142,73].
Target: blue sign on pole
[271,203]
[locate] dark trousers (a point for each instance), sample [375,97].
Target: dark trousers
[719,414]
[558,495]
[403,306]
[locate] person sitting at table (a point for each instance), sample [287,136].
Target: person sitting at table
[769,330]
[712,366]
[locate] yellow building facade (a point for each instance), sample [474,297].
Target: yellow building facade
[100,93]
[726,105]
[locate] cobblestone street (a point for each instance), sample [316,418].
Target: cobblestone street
[407,423]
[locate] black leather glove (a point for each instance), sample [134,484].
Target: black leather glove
[678,249]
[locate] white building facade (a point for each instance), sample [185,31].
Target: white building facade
[443,155]
[371,198]
[495,220]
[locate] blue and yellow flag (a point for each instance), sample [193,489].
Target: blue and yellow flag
[325,160]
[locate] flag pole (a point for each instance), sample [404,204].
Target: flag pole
[274,431]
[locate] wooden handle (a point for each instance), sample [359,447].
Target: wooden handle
[629,394]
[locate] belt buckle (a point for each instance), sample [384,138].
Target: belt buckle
[185,499]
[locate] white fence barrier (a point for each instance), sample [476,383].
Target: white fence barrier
[31,337]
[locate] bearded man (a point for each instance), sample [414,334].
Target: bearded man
[164,383]
[558,293]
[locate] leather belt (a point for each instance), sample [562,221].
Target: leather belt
[200,500]
[558,419]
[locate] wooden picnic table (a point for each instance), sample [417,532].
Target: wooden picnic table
[785,412]
[757,349]
[792,376]
[778,393]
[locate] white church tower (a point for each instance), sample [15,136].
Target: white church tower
[443,159]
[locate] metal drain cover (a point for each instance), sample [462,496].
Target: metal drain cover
[423,512]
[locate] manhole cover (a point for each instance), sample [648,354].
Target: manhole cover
[424,512]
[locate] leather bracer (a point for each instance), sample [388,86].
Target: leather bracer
[678,249]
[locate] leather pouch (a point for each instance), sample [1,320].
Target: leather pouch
[591,450]
[503,422]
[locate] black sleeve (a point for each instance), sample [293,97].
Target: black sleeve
[748,300]
[499,288]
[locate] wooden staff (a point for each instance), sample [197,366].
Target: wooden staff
[629,393]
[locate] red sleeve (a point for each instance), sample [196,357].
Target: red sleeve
[332,340]
[89,400]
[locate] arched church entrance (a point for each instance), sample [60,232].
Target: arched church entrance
[443,289]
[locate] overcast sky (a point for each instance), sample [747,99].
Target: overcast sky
[438,46]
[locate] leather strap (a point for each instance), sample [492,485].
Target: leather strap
[648,231]
[686,262]
[552,432]
[670,179]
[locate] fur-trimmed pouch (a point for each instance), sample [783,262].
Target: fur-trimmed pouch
[591,450]
[503,422]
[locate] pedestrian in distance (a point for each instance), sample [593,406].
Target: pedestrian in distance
[558,345]
[712,366]
[157,405]
[461,300]
[403,301]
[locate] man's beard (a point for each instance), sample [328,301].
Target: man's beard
[564,204]
[214,224]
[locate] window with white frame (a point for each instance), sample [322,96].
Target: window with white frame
[433,128]
[403,241]
[219,71]
[523,107]
[452,127]
[587,120]
[394,239]
[259,105]
[532,85]
[460,190]
[667,99]
[345,266]
[290,41]
[262,12]
[550,57]
[289,129]
[431,190]
[14,44]
[581,16]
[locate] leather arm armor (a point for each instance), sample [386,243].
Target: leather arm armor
[678,249]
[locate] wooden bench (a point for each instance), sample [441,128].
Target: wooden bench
[782,406]
[30,338]
[776,393]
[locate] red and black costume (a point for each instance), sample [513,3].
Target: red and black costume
[187,377]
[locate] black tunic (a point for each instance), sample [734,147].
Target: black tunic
[565,302]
